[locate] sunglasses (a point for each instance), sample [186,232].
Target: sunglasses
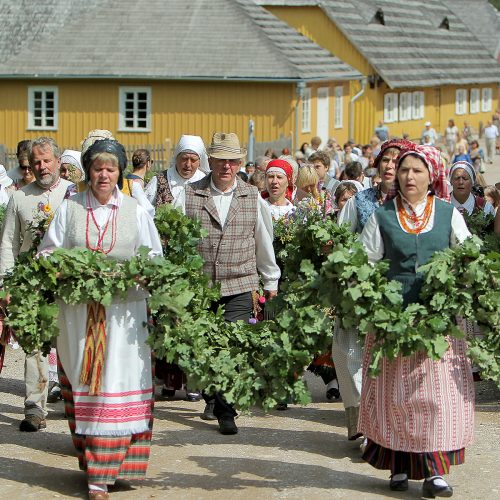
[22,167]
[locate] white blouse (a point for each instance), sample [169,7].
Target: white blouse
[279,211]
[470,203]
[55,237]
[374,244]
[176,183]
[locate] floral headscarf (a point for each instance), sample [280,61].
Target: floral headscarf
[401,144]
[431,157]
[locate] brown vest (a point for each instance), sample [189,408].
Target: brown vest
[163,193]
[229,251]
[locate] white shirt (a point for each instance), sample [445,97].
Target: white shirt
[491,132]
[469,205]
[176,183]
[279,211]
[374,244]
[55,237]
[138,193]
[264,251]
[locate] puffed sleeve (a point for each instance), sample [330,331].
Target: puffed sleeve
[372,239]
[459,230]
[148,234]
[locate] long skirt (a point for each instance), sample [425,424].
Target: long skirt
[107,458]
[418,407]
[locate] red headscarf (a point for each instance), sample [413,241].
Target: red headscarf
[431,157]
[283,167]
[400,144]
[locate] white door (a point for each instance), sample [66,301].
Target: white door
[323,116]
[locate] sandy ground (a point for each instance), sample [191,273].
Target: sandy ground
[299,453]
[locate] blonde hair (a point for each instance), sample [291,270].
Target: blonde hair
[480,181]
[104,157]
[493,193]
[308,177]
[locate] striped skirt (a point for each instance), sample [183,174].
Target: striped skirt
[107,458]
[415,465]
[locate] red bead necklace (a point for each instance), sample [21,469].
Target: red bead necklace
[100,235]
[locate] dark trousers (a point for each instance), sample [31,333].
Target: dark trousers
[236,307]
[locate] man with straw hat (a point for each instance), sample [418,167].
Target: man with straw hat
[238,247]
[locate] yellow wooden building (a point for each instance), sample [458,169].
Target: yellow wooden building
[186,68]
[420,62]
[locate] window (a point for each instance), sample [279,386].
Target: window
[417,98]
[390,108]
[474,101]
[338,109]
[306,110]
[405,106]
[42,108]
[486,100]
[135,109]
[461,102]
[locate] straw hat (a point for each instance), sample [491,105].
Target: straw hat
[226,147]
[5,180]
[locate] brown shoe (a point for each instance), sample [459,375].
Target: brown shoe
[98,495]
[32,423]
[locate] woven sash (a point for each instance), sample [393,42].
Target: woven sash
[95,348]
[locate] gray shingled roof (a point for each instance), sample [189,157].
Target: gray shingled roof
[410,50]
[158,39]
[482,19]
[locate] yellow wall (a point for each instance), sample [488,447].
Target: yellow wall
[340,134]
[315,25]
[198,108]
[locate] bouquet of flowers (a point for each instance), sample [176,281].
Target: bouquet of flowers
[42,217]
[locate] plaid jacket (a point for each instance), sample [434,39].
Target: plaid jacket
[229,251]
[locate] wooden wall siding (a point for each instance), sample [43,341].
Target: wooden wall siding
[315,24]
[198,108]
[340,134]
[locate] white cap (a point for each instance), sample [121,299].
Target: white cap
[427,124]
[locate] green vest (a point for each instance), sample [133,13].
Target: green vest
[406,252]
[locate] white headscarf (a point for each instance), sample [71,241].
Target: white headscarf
[356,184]
[73,158]
[194,144]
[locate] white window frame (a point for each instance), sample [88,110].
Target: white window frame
[122,127]
[390,107]
[474,101]
[417,105]
[306,110]
[338,107]
[405,106]
[31,108]
[461,102]
[486,104]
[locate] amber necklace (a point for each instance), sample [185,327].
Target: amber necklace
[418,222]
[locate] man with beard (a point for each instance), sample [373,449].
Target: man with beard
[34,202]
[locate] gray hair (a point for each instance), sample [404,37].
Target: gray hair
[293,163]
[44,142]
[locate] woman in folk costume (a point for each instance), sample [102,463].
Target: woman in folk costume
[463,181]
[347,350]
[108,398]
[279,188]
[189,164]
[418,414]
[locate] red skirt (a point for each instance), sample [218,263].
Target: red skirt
[107,458]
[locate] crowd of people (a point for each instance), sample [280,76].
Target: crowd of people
[405,200]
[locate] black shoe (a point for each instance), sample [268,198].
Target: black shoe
[168,393]
[227,425]
[332,393]
[208,413]
[193,397]
[32,423]
[282,406]
[55,394]
[431,490]
[399,485]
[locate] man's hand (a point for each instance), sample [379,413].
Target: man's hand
[270,294]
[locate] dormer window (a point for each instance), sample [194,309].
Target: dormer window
[445,24]
[379,17]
